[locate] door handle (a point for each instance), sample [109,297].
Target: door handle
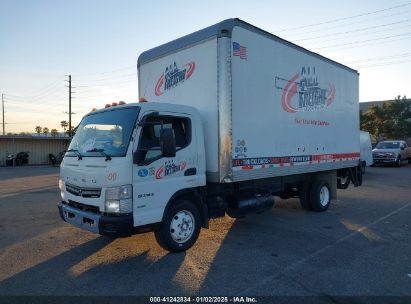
[190,171]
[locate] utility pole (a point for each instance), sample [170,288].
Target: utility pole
[70,130]
[2,106]
[69,105]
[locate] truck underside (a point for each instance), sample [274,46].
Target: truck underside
[255,196]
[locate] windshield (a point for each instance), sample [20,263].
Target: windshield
[105,133]
[388,145]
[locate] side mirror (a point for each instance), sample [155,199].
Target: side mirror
[402,148]
[168,142]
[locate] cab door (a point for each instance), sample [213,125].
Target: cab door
[157,178]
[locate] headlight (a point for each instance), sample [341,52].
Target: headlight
[112,206]
[119,199]
[61,184]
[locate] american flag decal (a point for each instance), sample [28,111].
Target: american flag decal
[239,50]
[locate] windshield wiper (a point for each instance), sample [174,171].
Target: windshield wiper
[108,157]
[80,157]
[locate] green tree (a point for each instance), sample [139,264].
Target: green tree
[64,125]
[54,132]
[38,130]
[390,121]
[46,131]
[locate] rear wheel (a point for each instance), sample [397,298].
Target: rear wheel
[180,228]
[320,196]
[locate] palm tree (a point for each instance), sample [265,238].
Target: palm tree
[54,132]
[46,131]
[38,130]
[64,125]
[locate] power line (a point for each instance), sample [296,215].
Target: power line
[39,92]
[362,41]
[107,84]
[366,44]
[106,72]
[313,44]
[346,18]
[379,58]
[354,31]
[107,78]
[383,64]
[49,92]
[328,28]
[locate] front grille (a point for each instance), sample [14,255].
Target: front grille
[83,192]
[382,155]
[83,207]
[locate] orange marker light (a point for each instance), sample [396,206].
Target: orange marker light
[121,103]
[108,105]
[114,104]
[93,109]
[141,99]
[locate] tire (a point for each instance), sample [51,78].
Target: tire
[320,195]
[180,227]
[398,161]
[305,195]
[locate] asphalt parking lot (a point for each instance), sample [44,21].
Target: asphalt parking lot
[361,246]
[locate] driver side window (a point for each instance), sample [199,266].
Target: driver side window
[149,144]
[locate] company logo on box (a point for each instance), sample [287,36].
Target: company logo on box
[173,76]
[304,93]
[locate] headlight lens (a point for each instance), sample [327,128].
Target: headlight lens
[119,199]
[112,206]
[61,184]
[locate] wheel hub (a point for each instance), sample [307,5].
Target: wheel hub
[182,226]
[324,196]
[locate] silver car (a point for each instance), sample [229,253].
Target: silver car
[391,152]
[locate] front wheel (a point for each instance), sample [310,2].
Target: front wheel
[180,228]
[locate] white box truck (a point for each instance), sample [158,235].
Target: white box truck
[234,116]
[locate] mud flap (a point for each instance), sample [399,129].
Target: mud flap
[355,175]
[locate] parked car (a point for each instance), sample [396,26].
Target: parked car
[365,150]
[391,152]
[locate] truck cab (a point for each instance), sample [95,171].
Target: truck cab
[126,165]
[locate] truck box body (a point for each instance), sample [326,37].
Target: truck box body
[269,107]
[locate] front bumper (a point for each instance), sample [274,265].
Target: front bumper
[384,160]
[121,225]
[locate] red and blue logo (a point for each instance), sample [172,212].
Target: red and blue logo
[173,76]
[311,96]
[170,168]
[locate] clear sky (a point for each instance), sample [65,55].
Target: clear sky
[98,43]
